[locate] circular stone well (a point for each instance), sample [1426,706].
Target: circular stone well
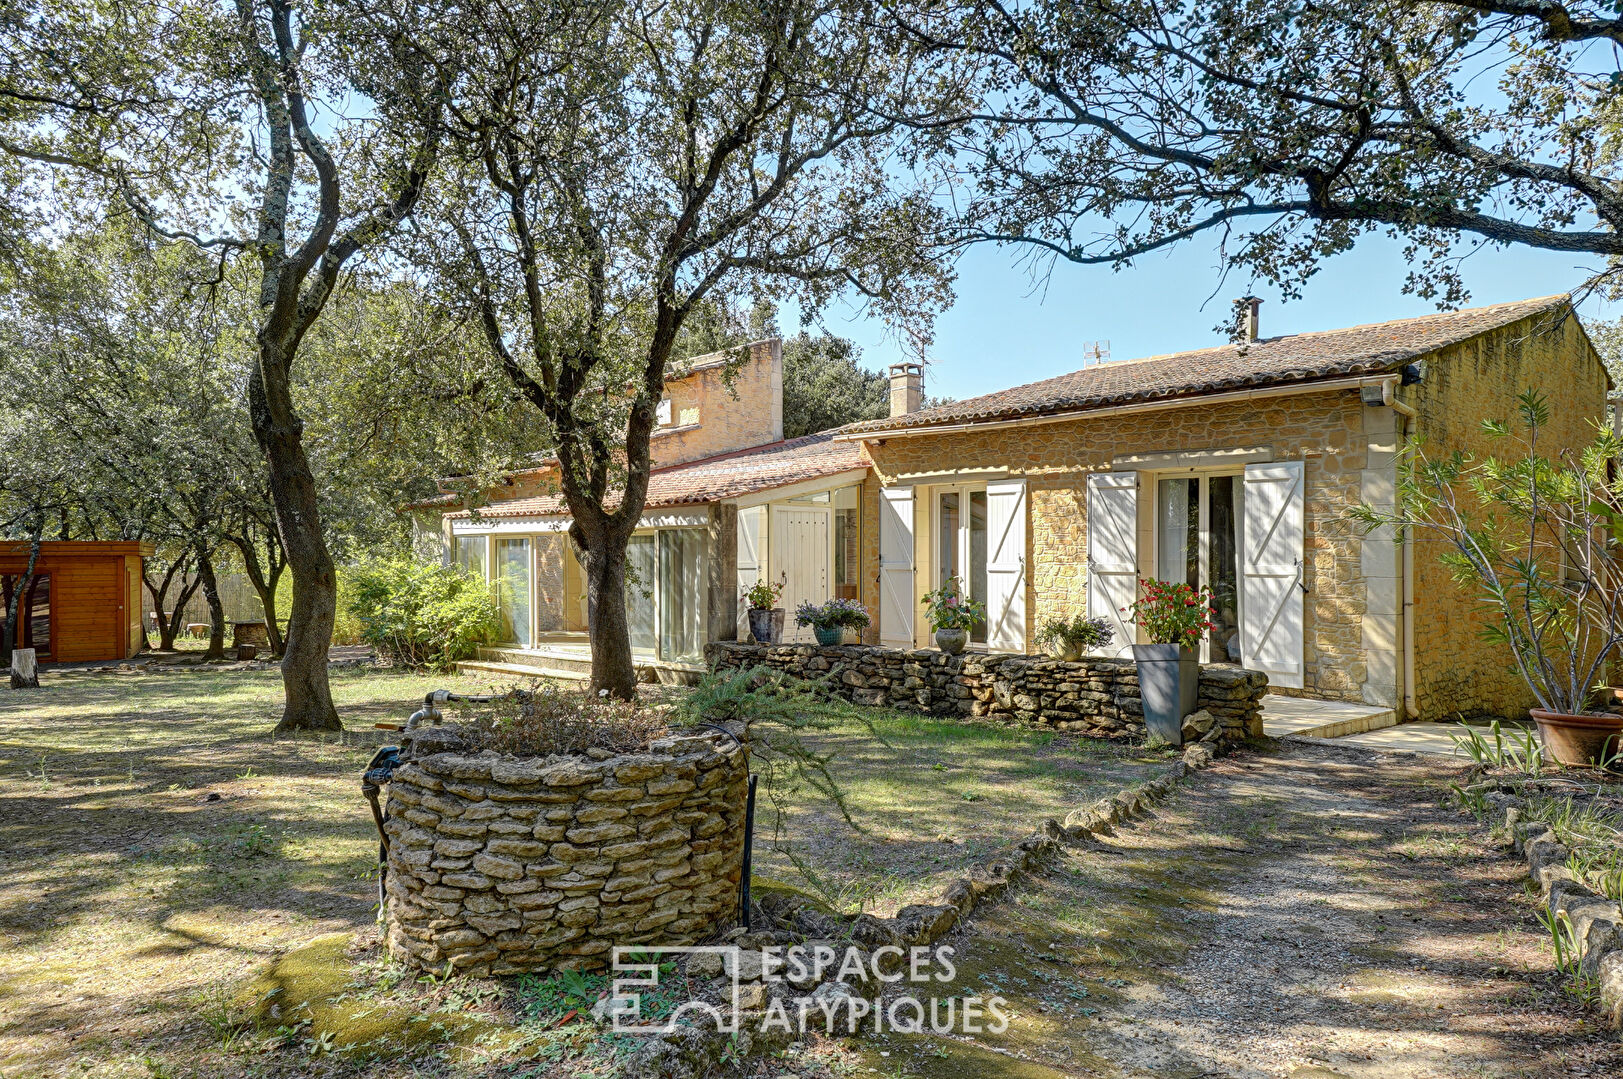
[508,865]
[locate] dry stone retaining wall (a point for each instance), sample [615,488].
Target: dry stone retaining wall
[1099,696]
[505,865]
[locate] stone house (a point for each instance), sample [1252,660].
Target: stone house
[1231,467]
[730,501]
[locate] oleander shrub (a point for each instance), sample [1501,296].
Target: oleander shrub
[419,614]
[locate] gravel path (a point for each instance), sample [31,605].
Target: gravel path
[1310,913]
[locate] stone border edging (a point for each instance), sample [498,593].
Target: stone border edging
[1596,922]
[690,1052]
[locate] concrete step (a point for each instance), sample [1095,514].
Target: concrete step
[558,659]
[519,671]
[1283,716]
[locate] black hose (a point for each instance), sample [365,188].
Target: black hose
[749,844]
[378,772]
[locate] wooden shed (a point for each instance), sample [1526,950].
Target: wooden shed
[84,602]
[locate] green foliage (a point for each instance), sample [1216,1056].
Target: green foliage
[824,385]
[1517,748]
[762,595]
[1537,537]
[779,709]
[1172,613]
[420,614]
[1078,631]
[948,608]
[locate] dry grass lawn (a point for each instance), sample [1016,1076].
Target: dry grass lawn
[160,849]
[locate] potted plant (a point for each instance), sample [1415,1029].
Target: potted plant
[952,615]
[766,617]
[1174,617]
[1068,638]
[1539,539]
[830,620]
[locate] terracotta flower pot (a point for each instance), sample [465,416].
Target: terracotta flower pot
[1579,741]
[1068,651]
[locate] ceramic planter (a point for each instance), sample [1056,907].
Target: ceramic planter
[951,641]
[829,636]
[766,626]
[1069,651]
[1579,741]
[1169,685]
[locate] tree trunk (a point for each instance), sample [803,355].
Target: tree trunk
[168,618]
[267,600]
[277,427]
[610,636]
[24,670]
[263,588]
[211,593]
[9,635]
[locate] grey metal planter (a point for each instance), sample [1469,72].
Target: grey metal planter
[1169,684]
[766,626]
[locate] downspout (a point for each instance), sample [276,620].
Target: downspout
[1406,429]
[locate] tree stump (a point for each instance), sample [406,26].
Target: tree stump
[24,669]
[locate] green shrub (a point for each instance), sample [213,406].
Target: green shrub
[422,615]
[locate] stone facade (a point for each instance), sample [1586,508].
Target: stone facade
[505,865]
[1098,696]
[1353,608]
[1455,671]
[1326,431]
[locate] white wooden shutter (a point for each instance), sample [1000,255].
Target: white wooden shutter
[1113,554]
[896,606]
[750,563]
[1006,565]
[1271,553]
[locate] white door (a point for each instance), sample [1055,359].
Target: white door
[1006,565]
[800,549]
[750,563]
[1271,553]
[896,606]
[1113,554]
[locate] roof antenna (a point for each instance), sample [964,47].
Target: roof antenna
[1095,351]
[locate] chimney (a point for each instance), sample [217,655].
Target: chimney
[1253,320]
[906,388]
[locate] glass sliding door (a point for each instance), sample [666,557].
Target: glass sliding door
[469,552]
[681,593]
[1223,564]
[513,588]
[847,543]
[1197,543]
[1177,545]
[641,581]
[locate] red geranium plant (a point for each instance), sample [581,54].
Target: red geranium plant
[1171,613]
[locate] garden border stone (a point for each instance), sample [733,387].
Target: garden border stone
[1597,922]
[692,1052]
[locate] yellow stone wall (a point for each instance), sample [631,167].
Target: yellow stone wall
[1455,671]
[1324,429]
[747,412]
[725,416]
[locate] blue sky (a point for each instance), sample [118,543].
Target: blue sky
[1004,329]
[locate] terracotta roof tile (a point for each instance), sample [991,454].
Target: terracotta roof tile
[1272,361]
[729,475]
